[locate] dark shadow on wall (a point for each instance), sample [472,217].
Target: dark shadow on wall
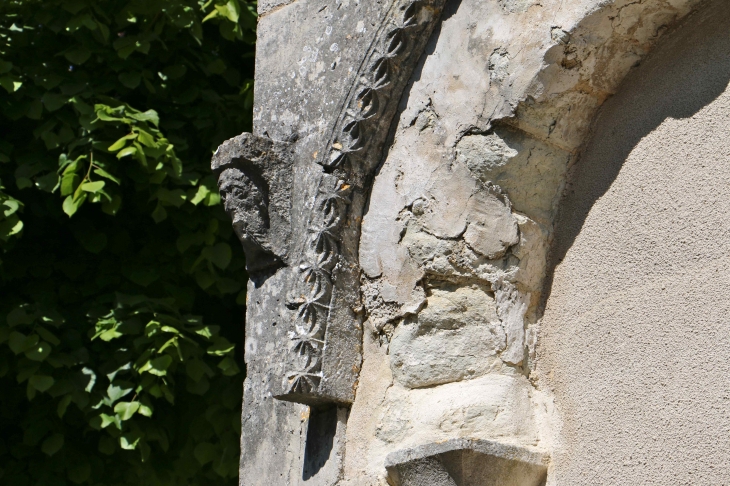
[677,80]
[321,433]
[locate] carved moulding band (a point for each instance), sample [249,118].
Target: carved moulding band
[357,138]
[353,151]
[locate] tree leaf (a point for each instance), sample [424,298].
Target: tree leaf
[217,67]
[176,71]
[130,80]
[211,15]
[146,139]
[125,410]
[63,406]
[19,316]
[196,369]
[79,21]
[219,255]
[93,187]
[159,214]
[119,144]
[39,352]
[91,381]
[159,366]
[53,101]
[126,151]
[79,473]
[68,183]
[115,392]
[41,382]
[52,444]
[11,207]
[77,55]
[107,420]
[175,197]
[207,331]
[145,410]
[71,205]
[112,207]
[221,348]
[200,195]
[10,83]
[129,441]
[141,275]
[92,240]
[104,31]
[147,116]
[48,335]
[19,343]
[101,172]
[229,366]
[205,452]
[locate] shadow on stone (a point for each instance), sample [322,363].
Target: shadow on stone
[320,440]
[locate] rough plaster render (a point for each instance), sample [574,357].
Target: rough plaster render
[433,261]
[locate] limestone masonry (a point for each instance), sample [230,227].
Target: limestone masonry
[488,243]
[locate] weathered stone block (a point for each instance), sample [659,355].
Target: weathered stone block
[255,180]
[458,335]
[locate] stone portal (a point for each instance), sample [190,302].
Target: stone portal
[397,203]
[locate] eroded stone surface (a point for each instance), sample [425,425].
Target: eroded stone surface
[530,171]
[255,180]
[499,110]
[457,335]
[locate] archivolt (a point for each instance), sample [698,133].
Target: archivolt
[587,64]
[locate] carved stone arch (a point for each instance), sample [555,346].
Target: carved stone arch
[587,64]
[435,275]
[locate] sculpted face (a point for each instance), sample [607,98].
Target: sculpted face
[246,203]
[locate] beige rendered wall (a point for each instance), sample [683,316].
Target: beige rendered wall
[635,340]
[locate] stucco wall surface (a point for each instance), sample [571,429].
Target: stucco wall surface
[635,340]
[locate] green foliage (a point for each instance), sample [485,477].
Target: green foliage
[120,293]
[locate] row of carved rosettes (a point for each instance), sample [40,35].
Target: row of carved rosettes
[356,141]
[312,297]
[354,150]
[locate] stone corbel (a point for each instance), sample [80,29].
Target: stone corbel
[255,182]
[467,462]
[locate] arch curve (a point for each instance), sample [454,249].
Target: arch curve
[587,64]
